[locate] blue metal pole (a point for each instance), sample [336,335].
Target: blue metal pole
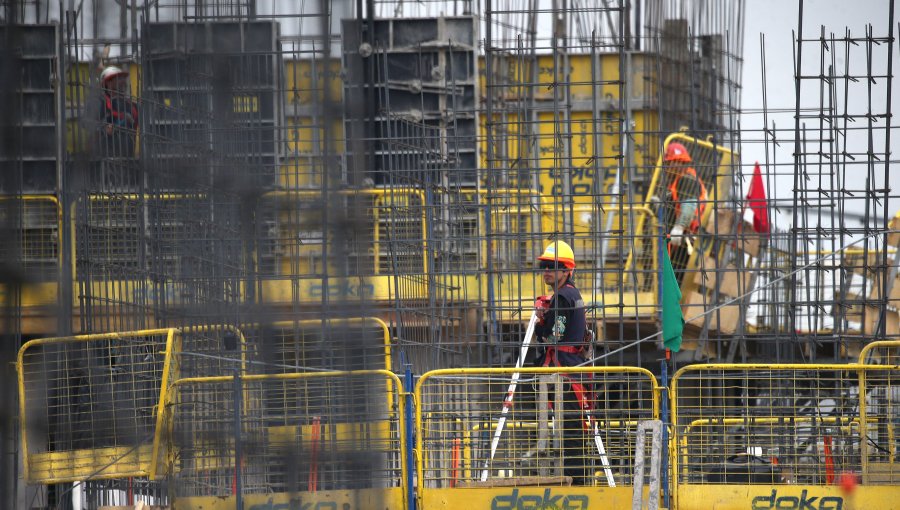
[664,408]
[238,443]
[410,439]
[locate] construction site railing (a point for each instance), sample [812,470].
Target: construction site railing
[772,436]
[881,352]
[295,346]
[546,444]
[36,221]
[88,404]
[299,438]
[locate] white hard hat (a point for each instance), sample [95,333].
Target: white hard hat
[111,72]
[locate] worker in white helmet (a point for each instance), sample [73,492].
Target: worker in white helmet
[119,115]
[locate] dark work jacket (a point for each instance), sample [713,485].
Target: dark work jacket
[567,309]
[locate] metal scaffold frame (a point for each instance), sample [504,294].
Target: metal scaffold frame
[312,198]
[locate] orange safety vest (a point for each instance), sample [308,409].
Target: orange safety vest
[701,206]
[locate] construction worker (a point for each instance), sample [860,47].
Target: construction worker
[685,202]
[561,331]
[119,115]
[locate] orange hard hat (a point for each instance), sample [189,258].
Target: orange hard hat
[677,152]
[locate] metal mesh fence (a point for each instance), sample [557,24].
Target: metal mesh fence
[782,424]
[261,175]
[576,428]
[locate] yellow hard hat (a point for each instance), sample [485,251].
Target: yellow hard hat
[560,251]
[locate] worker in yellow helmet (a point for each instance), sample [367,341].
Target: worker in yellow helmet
[561,330]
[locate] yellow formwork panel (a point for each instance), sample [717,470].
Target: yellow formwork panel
[40,244]
[731,497]
[547,165]
[773,436]
[459,412]
[303,133]
[300,172]
[340,289]
[574,498]
[395,240]
[33,295]
[589,174]
[94,463]
[517,75]
[306,82]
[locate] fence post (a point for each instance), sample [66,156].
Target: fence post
[410,439]
[664,408]
[637,495]
[238,489]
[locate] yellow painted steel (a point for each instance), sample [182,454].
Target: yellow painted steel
[295,206]
[765,497]
[529,497]
[800,426]
[94,461]
[285,417]
[591,176]
[39,231]
[81,371]
[890,353]
[306,82]
[456,416]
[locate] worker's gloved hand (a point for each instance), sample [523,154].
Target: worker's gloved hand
[541,305]
[676,236]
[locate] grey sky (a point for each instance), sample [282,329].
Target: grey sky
[777,19]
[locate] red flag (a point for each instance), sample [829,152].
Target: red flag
[756,198]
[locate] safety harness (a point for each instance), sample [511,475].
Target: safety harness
[551,359]
[673,192]
[119,117]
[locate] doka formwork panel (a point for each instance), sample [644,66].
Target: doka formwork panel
[405,33]
[35,150]
[432,66]
[220,37]
[189,71]
[32,41]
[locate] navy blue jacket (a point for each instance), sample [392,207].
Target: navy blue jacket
[564,324]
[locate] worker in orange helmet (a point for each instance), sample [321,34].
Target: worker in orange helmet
[561,330]
[685,202]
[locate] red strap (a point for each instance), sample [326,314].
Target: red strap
[116,113]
